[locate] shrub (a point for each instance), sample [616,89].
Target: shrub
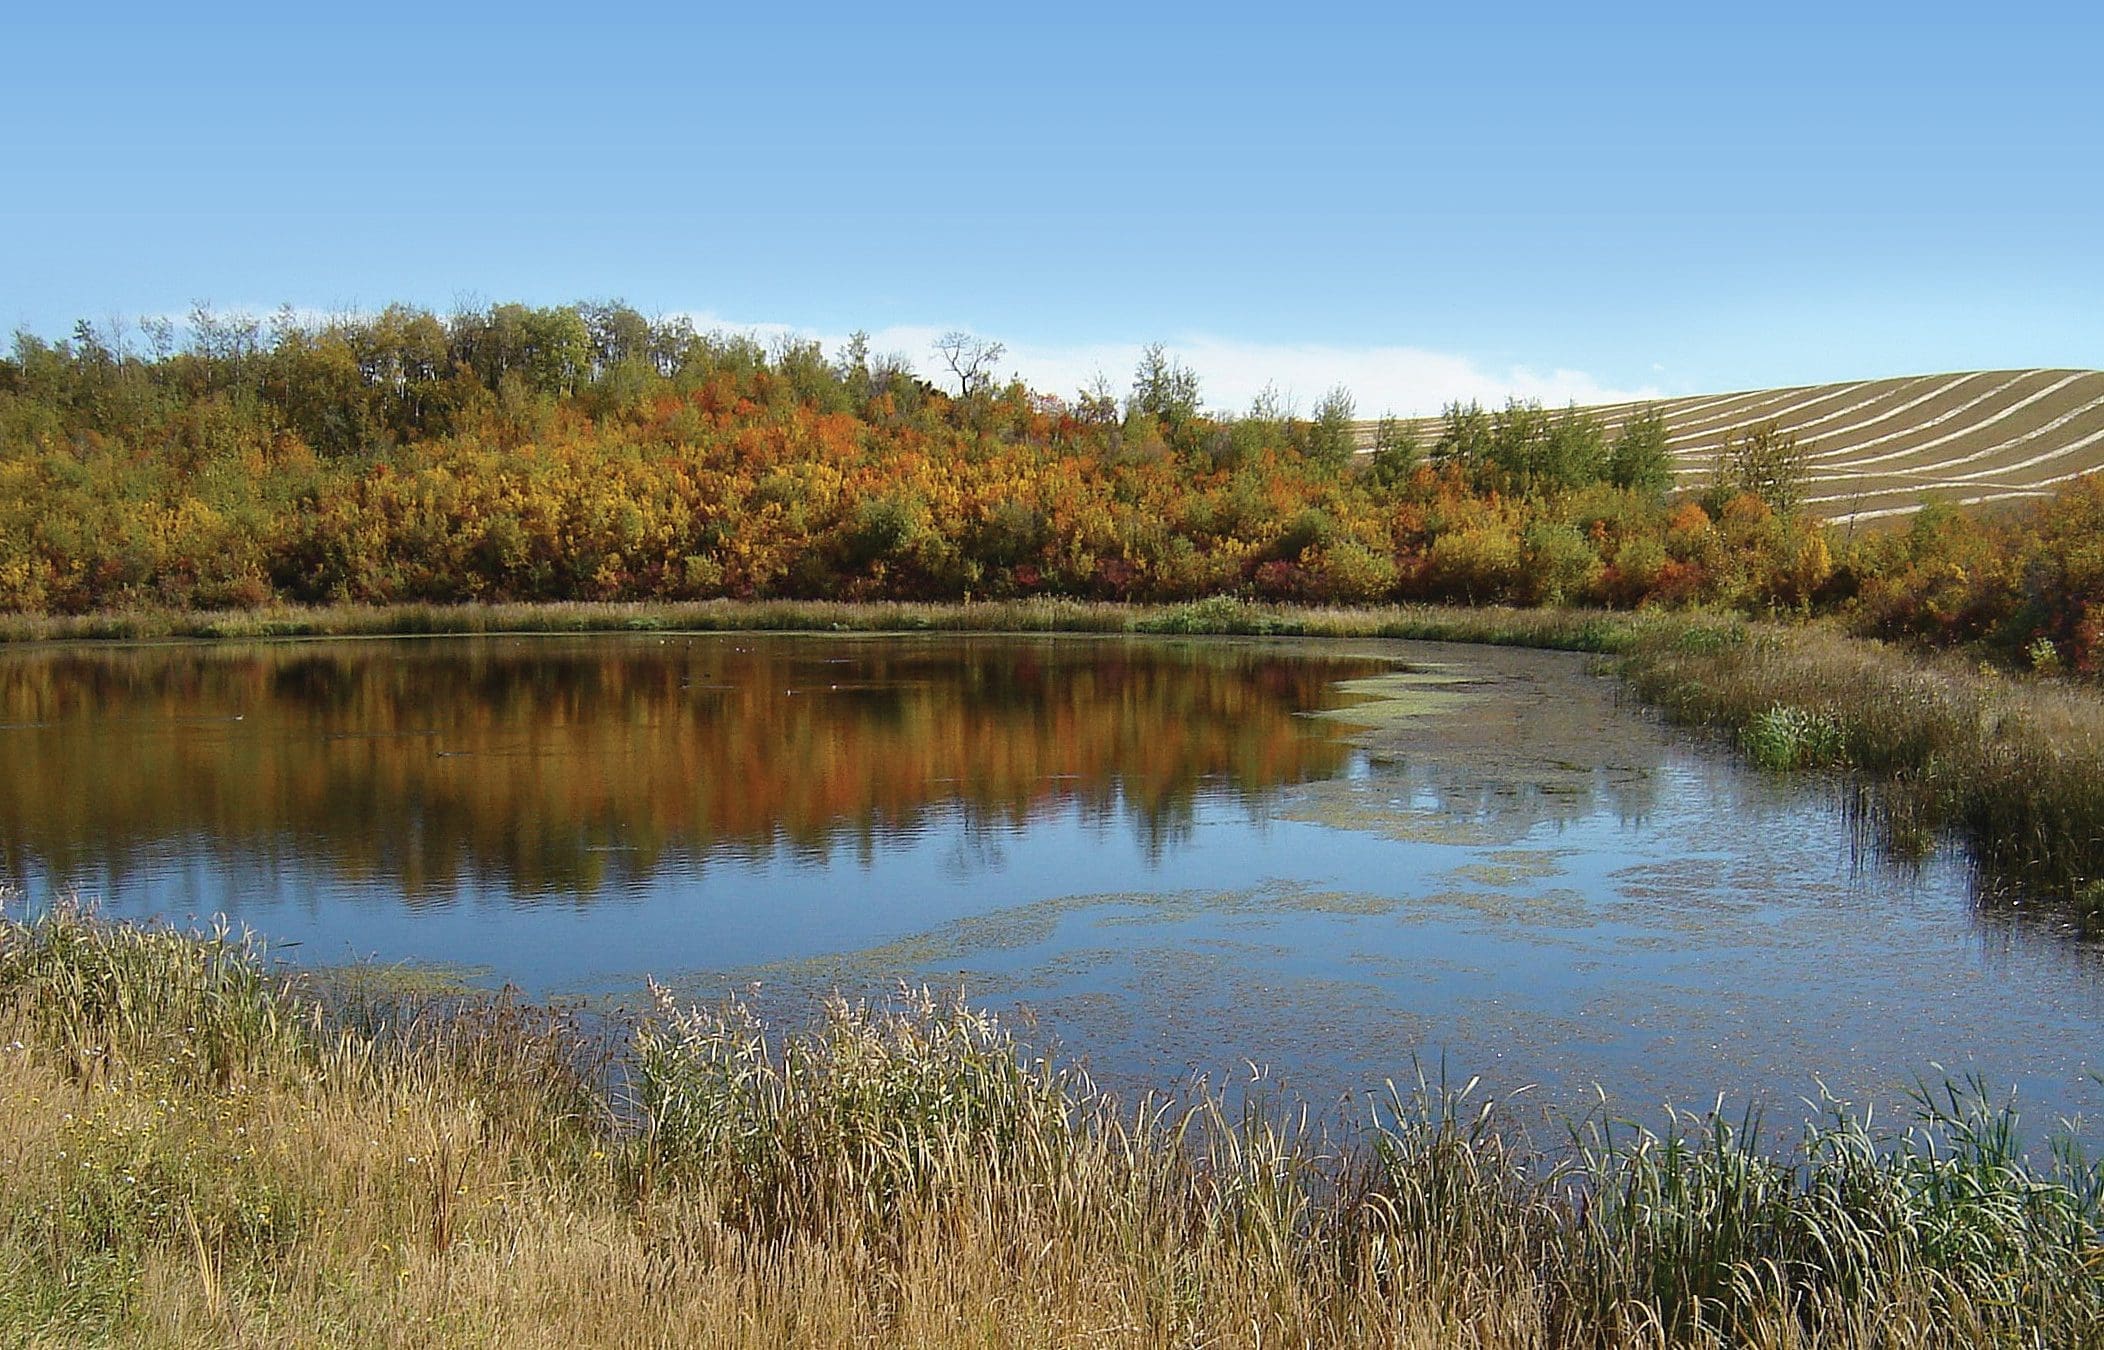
[1561,564]
[1475,564]
[1638,565]
[1350,572]
[1215,614]
[1785,738]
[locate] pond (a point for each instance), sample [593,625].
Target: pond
[1331,861]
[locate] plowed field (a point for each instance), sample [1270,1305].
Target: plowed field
[1874,448]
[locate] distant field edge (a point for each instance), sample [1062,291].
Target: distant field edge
[1880,449]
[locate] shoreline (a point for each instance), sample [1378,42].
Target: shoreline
[1591,630]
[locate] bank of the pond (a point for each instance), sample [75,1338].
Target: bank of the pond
[199,1152]
[2011,768]
[1564,629]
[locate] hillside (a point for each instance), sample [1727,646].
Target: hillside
[1876,446]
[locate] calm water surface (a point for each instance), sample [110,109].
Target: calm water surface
[1329,860]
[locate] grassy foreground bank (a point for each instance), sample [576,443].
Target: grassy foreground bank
[198,1152]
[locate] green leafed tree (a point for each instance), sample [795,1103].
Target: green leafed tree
[1464,435]
[1519,439]
[1163,388]
[1574,454]
[1396,452]
[1769,463]
[1330,434]
[1639,459]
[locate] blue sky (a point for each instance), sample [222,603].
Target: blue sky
[1415,202]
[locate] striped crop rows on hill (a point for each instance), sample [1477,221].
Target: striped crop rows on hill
[1875,448]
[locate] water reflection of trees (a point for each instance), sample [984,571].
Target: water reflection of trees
[565,766]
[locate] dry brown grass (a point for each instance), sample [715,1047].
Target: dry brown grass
[910,1177]
[357,1206]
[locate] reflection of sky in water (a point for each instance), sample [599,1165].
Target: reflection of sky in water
[1660,957]
[1538,886]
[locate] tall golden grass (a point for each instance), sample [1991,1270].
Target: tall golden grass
[199,1150]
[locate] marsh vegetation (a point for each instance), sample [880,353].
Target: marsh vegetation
[1938,750]
[203,1148]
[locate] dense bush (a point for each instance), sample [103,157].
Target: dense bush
[586,453]
[2027,583]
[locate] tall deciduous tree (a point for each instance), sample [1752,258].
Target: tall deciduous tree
[1395,454]
[1163,388]
[1639,459]
[1464,435]
[1330,434]
[970,358]
[1769,463]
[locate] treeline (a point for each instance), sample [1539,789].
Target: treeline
[588,452]
[362,383]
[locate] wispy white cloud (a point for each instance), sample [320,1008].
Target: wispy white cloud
[1232,373]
